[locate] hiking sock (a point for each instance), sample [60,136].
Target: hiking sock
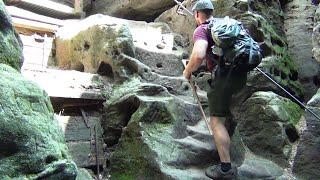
[225,167]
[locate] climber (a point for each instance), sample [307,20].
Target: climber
[222,87]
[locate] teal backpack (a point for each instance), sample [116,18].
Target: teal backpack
[234,45]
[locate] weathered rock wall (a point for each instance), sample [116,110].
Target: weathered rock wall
[267,125]
[99,40]
[32,144]
[92,45]
[152,124]
[306,157]
[132,9]
[299,23]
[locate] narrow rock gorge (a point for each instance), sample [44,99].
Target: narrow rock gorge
[94,90]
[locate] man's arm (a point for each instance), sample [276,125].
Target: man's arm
[198,54]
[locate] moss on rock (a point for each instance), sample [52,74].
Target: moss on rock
[283,70]
[32,143]
[153,142]
[266,125]
[131,160]
[10,43]
[95,48]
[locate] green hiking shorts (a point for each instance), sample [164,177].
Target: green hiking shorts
[222,87]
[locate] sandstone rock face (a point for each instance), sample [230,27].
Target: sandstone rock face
[306,160]
[152,125]
[32,144]
[266,28]
[132,9]
[92,45]
[271,10]
[162,137]
[165,64]
[10,43]
[160,132]
[265,122]
[98,41]
[181,24]
[299,34]
[255,167]
[159,121]
[315,35]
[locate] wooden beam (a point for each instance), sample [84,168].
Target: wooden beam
[28,23]
[78,8]
[28,15]
[30,30]
[50,5]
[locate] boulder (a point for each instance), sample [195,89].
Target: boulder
[258,168]
[180,24]
[10,43]
[158,135]
[97,43]
[155,134]
[92,44]
[84,174]
[161,63]
[132,9]
[133,67]
[306,160]
[32,144]
[262,31]
[271,10]
[266,124]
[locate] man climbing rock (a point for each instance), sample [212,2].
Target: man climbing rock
[223,86]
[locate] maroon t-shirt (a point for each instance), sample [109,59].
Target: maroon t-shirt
[201,33]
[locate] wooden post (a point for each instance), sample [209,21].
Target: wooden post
[78,8]
[44,51]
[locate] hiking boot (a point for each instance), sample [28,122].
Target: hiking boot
[215,172]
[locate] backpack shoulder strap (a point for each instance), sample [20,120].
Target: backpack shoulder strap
[210,23]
